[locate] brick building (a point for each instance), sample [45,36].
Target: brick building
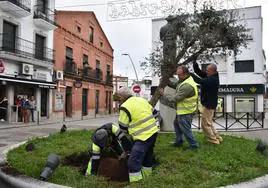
[83,66]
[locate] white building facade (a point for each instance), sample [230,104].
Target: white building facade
[26,54]
[242,79]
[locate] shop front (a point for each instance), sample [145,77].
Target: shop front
[18,90]
[240,99]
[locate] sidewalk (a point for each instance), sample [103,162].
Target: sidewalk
[13,134]
[6,125]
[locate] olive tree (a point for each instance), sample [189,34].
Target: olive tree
[199,35]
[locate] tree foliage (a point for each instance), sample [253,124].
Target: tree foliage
[198,36]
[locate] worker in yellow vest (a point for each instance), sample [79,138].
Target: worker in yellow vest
[185,98]
[137,118]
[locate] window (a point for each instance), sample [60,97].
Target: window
[69,55]
[243,105]
[42,5]
[250,34]
[9,37]
[244,66]
[101,44]
[78,29]
[39,47]
[91,34]
[98,70]
[108,73]
[85,59]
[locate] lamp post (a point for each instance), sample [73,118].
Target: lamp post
[133,67]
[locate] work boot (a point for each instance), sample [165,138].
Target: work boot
[216,142]
[220,139]
[175,144]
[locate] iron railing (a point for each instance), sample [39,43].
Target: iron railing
[70,68]
[24,4]
[25,48]
[109,79]
[234,121]
[41,12]
[92,74]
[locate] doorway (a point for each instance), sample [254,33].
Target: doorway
[39,47]
[97,102]
[68,102]
[9,38]
[84,101]
[109,102]
[44,97]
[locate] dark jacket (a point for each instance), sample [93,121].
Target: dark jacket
[209,87]
[121,138]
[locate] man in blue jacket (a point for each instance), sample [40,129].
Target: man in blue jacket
[209,84]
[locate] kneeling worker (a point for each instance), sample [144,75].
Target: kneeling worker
[104,137]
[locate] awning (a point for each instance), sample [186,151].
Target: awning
[41,84]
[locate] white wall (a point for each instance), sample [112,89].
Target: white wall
[253,20]
[27,30]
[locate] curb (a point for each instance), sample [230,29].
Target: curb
[23,181]
[260,182]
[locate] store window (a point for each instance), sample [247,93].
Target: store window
[244,66]
[244,105]
[219,112]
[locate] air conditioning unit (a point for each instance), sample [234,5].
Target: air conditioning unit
[59,75]
[27,69]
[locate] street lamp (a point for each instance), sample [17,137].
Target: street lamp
[133,67]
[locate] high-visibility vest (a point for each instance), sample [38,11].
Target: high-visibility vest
[188,105]
[136,115]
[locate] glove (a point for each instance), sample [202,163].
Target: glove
[123,156]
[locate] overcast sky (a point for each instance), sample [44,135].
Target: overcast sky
[132,35]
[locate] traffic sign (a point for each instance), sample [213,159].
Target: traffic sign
[136,89]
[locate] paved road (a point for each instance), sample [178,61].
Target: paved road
[5,185]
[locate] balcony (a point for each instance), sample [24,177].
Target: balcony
[70,69]
[18,8]
[92,75]
[19,49]
[109,79]
[44,18]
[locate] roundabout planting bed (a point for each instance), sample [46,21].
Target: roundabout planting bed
[235,160]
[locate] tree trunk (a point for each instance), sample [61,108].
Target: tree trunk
[163,83]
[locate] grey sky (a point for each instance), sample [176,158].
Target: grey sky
[133,36]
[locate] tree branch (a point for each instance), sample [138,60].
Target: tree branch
[193,56]
[182,52]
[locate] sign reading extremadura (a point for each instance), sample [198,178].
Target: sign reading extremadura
[242,89]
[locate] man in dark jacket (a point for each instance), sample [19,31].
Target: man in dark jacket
[107,136]
[209,84]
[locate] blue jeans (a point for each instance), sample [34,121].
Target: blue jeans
[182,126]
[142,154]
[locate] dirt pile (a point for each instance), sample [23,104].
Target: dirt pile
[114,169]
[109,167]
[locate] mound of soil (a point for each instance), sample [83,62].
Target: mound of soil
[10,170]
[113,169]
[79,160]
[109,167]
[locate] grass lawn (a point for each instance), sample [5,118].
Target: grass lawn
[235,160]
